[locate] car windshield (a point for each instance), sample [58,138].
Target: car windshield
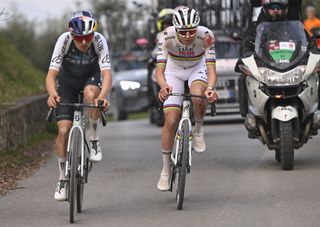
[226,49]
[281,44]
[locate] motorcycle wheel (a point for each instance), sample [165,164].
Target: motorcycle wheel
[286,145]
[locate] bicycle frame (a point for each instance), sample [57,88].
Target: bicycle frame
[185,116]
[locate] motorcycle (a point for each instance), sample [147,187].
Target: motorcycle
[282,89]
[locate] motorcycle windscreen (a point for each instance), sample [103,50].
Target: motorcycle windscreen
[281,45]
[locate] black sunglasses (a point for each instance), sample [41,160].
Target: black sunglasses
[274,6]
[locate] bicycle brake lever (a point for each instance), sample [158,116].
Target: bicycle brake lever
[100,104]
[213,109]
[103,118]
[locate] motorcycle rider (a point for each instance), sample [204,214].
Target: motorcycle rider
[294,9]
[272,10]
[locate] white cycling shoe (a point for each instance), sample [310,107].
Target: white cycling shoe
[60,194]
[198,143]
[95,151]
[164,181]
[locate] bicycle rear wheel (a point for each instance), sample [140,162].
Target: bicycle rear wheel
[182,164]
[73,160]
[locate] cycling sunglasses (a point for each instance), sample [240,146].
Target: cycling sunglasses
[276,6]
[80,38]
[183,33]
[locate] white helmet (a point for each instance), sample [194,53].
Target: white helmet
[185,18]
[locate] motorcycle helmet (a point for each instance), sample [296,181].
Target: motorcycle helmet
[185,18]
[164,19]
[82,23]
[275,5]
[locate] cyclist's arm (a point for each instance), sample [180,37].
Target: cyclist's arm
[60,49]
[106,84]
[210,55]
[160,76]
[212,75]
[51,87]
[101,48]
[162,56]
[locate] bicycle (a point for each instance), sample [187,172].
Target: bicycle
[78,164]
[182,155]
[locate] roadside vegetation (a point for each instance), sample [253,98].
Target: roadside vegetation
[18,78]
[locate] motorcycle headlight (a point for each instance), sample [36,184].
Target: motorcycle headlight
[273,78]
[129,85]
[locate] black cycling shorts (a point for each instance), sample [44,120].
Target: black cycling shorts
[69,88]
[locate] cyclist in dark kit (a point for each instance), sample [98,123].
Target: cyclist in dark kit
[80,61]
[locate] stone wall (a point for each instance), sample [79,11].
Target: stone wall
[22,119]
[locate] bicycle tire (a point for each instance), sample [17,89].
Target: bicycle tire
[74,149]
[80,190]
[80,185]
[183,164]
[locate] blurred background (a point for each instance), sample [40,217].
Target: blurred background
[29,30]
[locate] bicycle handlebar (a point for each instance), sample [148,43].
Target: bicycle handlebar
[188,95]
[81,105]
[213,111]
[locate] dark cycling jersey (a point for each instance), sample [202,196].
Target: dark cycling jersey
[77,63]
[77,69]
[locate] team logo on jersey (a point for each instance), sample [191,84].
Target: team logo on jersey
[106,59]
[58,59]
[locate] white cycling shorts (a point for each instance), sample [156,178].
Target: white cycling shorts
[176,76]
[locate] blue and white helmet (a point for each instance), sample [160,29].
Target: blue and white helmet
[185,18]
[82,23]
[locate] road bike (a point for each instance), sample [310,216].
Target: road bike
[78,164]
[181,157]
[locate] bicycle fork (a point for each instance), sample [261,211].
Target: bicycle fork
[77,125]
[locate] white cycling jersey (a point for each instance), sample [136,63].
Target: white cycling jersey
[184,62]
[76,62]
[170,48]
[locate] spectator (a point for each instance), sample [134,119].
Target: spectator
[312,21]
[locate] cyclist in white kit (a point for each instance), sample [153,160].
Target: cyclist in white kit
[186,52]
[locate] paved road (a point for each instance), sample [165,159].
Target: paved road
[235,183]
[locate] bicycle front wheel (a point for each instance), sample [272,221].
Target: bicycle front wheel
[80,189]
[73,160]
[183,164]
